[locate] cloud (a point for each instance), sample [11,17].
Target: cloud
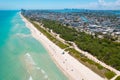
[109,5]
[102,5]
[117,3]
[101,1]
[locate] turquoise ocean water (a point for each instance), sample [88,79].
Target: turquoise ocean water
[21,56]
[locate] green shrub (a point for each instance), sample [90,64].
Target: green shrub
[118,78]
[109,74]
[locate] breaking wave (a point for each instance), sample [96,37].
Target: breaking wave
[37,70]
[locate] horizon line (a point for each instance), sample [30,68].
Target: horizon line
[64,9]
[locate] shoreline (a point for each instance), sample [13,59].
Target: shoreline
[42,42]
[73,69]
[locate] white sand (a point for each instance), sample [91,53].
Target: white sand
[69,65]
[30,78]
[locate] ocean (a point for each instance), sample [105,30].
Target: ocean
[21,56]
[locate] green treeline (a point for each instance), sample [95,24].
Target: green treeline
[105,50]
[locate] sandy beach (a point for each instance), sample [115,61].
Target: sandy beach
[72,68]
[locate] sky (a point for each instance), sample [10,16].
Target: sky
[60,4]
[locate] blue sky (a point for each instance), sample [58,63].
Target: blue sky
[60,4]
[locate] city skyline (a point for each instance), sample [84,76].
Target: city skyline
[55,4]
